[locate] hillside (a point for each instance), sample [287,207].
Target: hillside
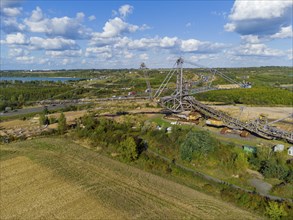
[55,178]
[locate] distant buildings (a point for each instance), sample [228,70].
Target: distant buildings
[278,148]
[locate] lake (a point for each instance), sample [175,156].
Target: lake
[28,79]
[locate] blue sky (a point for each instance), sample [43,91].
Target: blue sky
[122,34]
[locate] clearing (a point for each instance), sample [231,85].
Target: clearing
[56,178]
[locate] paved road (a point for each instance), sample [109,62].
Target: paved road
[55,104]
[34,110]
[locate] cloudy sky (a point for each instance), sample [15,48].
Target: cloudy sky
[122,34]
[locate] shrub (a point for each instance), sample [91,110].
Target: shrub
[62,127]
[275,211]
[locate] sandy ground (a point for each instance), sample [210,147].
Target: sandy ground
[70,116]
[252,113]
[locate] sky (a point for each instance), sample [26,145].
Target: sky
[95,34]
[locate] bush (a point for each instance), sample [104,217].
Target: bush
[62,127]
[275,211]
[128,149]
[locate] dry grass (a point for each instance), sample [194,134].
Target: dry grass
[67,181]
[70,116]
[15,124]
[30,191]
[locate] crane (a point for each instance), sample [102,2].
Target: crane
[182,100]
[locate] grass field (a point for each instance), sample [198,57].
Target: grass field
[55,178]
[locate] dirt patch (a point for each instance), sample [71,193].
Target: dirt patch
[252,113]
[70,116]
[260,185]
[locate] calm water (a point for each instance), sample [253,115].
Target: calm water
[27,79]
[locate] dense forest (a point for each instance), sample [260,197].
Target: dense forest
[263,96]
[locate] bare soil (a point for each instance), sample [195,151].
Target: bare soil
[252,113]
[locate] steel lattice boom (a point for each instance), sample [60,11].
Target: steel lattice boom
[181,100]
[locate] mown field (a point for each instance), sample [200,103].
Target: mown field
[56,178]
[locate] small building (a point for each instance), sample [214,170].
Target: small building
[278,148]
[249,149]
[290,151]
[169,130]
[159,128]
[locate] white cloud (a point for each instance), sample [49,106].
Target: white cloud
[71,28]
[144,43]
[253,39]
[168,42]
[38,43]
[285,32]
[105,52]
[11,25]
[230,27]
[127,54]
[9,3]
[11,12]
[115,27]
[66,61]
[17,52]
[125,10]
[26,59]
[190,45]
[257,50]
[258,9]
[143,56]
[259,17]
[92,18]
[64,53]
[192,60]
[16,39]
[44,61]
[193,45]
[36,15]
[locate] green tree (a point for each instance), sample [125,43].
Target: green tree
[197,143]
[62,124]
[20,100]
[128,149]
[44,120]
[275,211]
[240,162]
